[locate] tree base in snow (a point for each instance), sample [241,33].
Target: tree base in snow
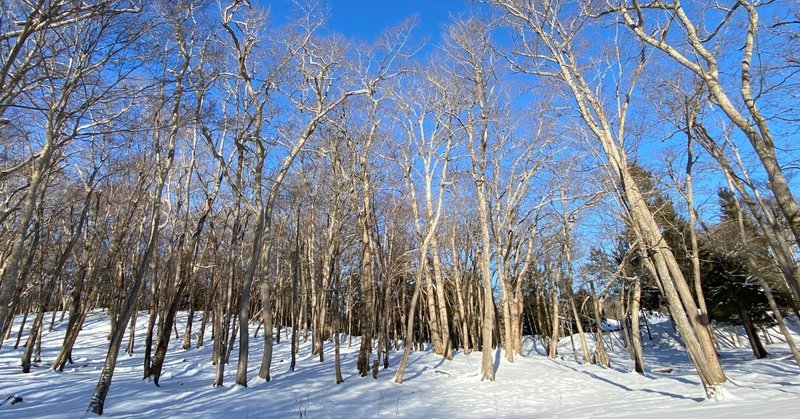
[12,399]
[718,392]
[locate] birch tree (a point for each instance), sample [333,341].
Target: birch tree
[324,79]
[68,102]
[166,128]
[545,48]
[474,64]
[693,43]
[426,124]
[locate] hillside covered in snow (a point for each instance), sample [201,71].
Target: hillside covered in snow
[533,386]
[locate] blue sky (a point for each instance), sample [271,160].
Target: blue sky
[366,19]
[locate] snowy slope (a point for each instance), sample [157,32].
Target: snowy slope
[533,386]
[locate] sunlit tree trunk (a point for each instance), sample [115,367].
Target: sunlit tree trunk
[636,337]
[705,64]
[541,22]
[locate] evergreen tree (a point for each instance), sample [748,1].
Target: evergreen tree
[730,285]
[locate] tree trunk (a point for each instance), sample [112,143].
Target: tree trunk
[36,328]
[73,329]
[409,332]
[752,335]
[441,301]
[556,45]
[337,338]
[151,326]
[601,356]
[636,337]
[554,317]
[462,314]
[756,271]
[266,313]
[22,324]
[10,269]
[244,299]
[781,250]
[581,332]
[187,332]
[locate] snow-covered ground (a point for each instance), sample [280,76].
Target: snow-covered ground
[533,386]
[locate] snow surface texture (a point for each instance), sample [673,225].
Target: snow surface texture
[533,386]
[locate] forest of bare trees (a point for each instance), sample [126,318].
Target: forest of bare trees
[541,160]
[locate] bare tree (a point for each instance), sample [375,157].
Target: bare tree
[165,136]
[68,101]
[427,125]
[553,55]
[57,271]
[670,28]
[325,81]
[474,63]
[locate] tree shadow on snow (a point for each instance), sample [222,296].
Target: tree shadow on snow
[496,365]
[420,372]
[775,386]
[645,390]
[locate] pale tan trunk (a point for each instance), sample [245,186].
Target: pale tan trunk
[610,135]
[581,332]
[695,253]
[750,121]
[10,269]
[266,318]
[554,326]
[505,306]
[423,274]
[462,312]
[441,300]
[570,282]
[433,320]
[516,325]
[601,356]
[487,324]
[367,293]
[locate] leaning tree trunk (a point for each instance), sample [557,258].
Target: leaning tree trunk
[753,266]
[781,249]
[37,324]
[164,165]
[162,341]
[35,332]
[73,329]
[752,334]
[104,383]
[661,263]
[409,331]
[10,269]
[581,331]
[750,120]
[556,45]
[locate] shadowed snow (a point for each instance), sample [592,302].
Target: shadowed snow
[533,386]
